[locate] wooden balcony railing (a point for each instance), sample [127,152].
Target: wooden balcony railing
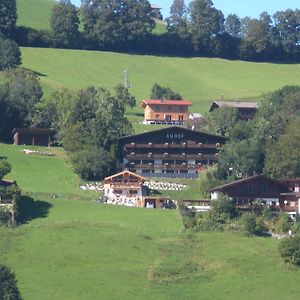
[148,156]
[171,146]
[162,166]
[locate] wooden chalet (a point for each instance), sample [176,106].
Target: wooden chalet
[248,190]
[32,136]
[246,110]
[170,152]
[290,200]
[172,112]
[125,183]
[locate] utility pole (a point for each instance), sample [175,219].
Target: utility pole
[126,82]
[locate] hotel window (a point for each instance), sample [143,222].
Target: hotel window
[180,117]
[156,116]
[133,192]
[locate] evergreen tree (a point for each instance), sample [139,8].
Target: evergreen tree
[205,23]
[8,285]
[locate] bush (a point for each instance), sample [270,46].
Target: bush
[223,209]
[188,216]
[8,285]
[5,217]
[289,250]
[282,223]
[252,224]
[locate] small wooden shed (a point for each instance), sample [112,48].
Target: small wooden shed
[32,136]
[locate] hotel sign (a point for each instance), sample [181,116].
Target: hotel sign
[175,136]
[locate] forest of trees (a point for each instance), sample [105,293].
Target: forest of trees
[269,144]
[197,29]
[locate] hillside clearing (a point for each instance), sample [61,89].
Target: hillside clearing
[198,79]
[73,248]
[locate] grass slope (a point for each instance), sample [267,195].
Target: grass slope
[41,174]
[34,13]
[77,249]
[198,79]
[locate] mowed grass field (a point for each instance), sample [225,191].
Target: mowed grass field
[77,249]
[34,13]
[200,80]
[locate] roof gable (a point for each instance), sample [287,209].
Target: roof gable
[166,102]
[242,182]
[172,133]
[123,173]
[234,104]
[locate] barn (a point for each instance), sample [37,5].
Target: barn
[32,136]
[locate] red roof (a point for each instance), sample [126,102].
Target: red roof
[166,102]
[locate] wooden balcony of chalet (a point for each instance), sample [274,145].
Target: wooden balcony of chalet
[171,146]
[166,155]
[165,166]
[249,207]
[126,185]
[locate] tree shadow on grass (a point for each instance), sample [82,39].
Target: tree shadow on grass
[30,209]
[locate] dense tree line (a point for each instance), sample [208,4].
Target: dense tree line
[267,144]
[87,123]
[198,29]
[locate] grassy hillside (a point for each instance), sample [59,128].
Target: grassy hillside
[76,249]
[41,174]
[35,13]
[198,79]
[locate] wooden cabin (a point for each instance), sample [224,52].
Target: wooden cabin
[172,112]
[125,183]
[246,110]
[32,136]
[170,152]
[251,189]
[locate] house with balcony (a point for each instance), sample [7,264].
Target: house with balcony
[171,112]
[125,183]
[170,152]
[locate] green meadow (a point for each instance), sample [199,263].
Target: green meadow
[200,80]
[70,247]
[34,13]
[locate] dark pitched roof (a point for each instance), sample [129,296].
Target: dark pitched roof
[172,127]
[234,104]
[244,180]
[124,172]
[32,130]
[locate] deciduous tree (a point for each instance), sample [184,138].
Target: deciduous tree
[8,16]
[161,92]
[64,23]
